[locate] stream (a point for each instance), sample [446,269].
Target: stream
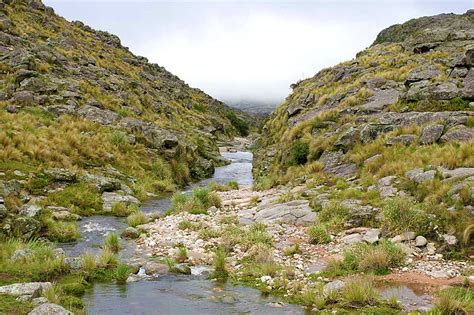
[180,294]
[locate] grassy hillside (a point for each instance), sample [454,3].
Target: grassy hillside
[82,116]
[395,121]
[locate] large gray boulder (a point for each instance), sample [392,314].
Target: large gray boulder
[29,289]
[111,198]
[431,134]
[49,309]
[32,211]
[97,115]
[420,176]
[296,212]
[458,134]
[61,174]
[102,183]
[379,101]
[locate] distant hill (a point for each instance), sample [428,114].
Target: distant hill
[261,108]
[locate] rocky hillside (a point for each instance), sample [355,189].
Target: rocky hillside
[395,122]
[85,123]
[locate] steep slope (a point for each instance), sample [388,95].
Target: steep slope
[395,121]
[81,117]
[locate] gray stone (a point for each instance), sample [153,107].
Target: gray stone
[22,254]
[450,239]
[297,212]
[371,131]
[32,211]
[49,309]
[333,286]
[63,214]
[347,140]
[402,139]
[458,134]
[62,109]
[182,269]
[39,300]
[32,289]
[111,198]
[352,239]
[371,236]
[379,101]
[102,183]
[420,241]
[25,226]
[61,174]
[154,268]
[423,73]
[334,163]
[431,134]
[130,233]
[468,83]
[97,115]
[419,176]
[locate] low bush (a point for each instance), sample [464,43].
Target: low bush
[220,270]
[121,273]
[62,232]
[318,234]
[299,152]
[369,258]
[137,218]
[402,215]
[112,242]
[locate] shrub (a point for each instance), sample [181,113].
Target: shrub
[364,257]
[137,218]
[402,215]
[182,254]
[220,270]
[454,301]
[318,234]
[79,196]
[120,209]
[107,258]
[88,262]
[360,291]
[334,216]
[121,273]
[241,125]
[299,152]
[60,231]
[112,242]
[233,184]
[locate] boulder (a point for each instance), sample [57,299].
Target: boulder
[450,239]
[130,233]
[49,309]
[468,83]
[31,289]
[423,73]
[419,176]
[154,268]
[111,198]
[402,139]
[371,236]
[22,254]
[333,286]
[102,183]
[379,101]
[347,139]
[334,163]
[431,134]
[352,239]
[420,241]
[32,211]
[182,269]
[97,115]
[458,134]
[61,174]
[26,227]
[371,131]
[297,212]
[63,214]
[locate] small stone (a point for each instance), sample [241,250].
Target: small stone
[336,286]
[450,239]
[420,241]
[409,236]
[49,309]
[352,239]
[404,269]
[371,236]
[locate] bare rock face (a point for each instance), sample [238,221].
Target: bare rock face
[431,134]
[458,134]
[29,289]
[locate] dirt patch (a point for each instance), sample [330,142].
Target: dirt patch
[429,284]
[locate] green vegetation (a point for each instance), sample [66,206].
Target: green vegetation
[241,125]
[231,185]
[62,232]
[112,242]
[318,234]
[121,273]
[196,203]
[453,301]
[369,258]
[299,152]
[403,215]
[137,218]
[220,271]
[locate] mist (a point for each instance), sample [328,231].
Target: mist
[250,50]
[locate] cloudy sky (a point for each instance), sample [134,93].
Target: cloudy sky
[248,50]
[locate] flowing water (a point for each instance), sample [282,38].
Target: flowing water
[180,294]
[172,294]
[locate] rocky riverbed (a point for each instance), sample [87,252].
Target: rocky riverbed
[286,223]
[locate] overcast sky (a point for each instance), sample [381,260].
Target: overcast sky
[250,50]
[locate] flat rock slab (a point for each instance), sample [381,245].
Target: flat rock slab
[297,212]
[33,289]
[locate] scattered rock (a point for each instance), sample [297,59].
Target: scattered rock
[49,309]
[352,239]
[420,241]
[450,239]
[419,176]
[431,134]
[31,289]
[297,212]
[32,211]
[371,236]
[130,233]
[61,174]
[111,198]
[334,286]
[154,268]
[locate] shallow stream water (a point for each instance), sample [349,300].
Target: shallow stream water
[179,294]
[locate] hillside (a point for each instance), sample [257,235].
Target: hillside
[395,124]
[85,123]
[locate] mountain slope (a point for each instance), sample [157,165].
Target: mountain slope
[82,116]
[395,121]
